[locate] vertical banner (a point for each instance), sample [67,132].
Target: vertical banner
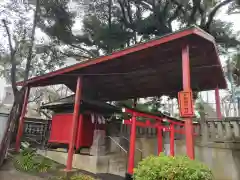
[185,104]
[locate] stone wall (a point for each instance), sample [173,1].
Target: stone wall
[111,163]
[227,130]
[222,158]
[217,144]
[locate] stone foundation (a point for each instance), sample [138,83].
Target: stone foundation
[112,163]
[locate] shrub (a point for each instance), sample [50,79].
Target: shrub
[171,168]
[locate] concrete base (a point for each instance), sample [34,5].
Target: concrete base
[111,163]
[67,174]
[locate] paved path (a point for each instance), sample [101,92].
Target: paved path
[7,172]
[15,175]
[105,176]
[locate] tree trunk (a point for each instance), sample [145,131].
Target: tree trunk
[12,122]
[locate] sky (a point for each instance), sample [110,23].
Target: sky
[205,95]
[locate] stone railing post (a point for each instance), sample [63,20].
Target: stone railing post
[229,131]
[154,131]
[204,132]
[220,132]
[212,130]
[177,128]
[236,129]
[98,147]
[141,131]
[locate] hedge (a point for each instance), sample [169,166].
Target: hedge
[171,168]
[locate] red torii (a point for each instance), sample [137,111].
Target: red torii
[158,125]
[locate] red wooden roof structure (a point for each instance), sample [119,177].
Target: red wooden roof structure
[149,69]
[185,60]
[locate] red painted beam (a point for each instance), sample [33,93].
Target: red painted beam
[73,131]
[21,120]
[131,111]
[155,125]
[140,114]
[145,124]
[187,87]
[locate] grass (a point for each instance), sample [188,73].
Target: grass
[30,162]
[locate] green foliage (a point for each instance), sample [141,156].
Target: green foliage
[29,161]
[46,55]
[81,177]
[112,25]
[233,68]
[171,168]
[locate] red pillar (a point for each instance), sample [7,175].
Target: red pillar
[132,145]
[160,139]
[187,87]
[80,127]
[21,120]
[172,147]
[218,105]
[73,130]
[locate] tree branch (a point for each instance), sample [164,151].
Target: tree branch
[74,55]
[181,8]
[129,12]
[35,98]
[42,111]
[194,11]
[12,59]
[45,114]
[82,49]
[30,51]
[173,17]
[213,13]
[145,4]
[125,20]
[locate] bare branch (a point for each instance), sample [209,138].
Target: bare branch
[69,54]
[44,113]
[144,4]
[214,11]
[194,11]
[123,12]
[181,8]
[173,17]
[35,98]
[82,49]
[12,59]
